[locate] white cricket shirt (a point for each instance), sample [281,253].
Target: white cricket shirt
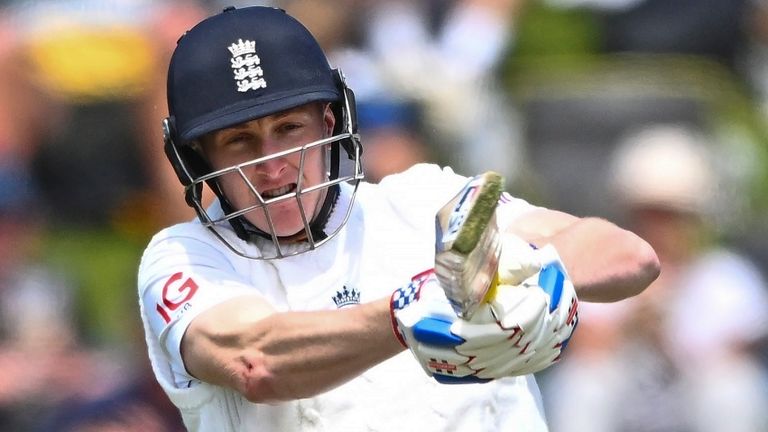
[389,238]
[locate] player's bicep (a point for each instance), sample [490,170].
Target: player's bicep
[217,344]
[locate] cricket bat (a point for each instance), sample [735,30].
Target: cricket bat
[467,244]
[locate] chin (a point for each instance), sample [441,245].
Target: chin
[297,231]
[286,218]
[282,229]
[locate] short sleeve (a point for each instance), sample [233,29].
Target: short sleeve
[179,278]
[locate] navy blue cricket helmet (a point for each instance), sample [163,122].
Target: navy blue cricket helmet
[240,65]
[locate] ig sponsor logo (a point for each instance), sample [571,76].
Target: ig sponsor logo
[176,292]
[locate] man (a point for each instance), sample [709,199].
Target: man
[275,311]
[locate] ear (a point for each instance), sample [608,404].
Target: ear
[329,120]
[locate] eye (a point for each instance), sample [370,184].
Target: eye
[289,127]
[237,139]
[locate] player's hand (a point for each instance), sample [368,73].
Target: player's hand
[422,317]
[524,328]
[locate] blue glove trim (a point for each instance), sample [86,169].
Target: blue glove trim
[551,281]
[469,379]
[437,332]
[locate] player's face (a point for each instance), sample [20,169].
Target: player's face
[277,176]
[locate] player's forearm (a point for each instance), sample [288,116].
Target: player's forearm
[294,355]
[312,352]
[605,262]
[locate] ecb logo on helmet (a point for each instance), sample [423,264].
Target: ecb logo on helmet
[246,66]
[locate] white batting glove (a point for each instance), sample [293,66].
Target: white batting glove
[422,318]
[519,260]
[525,327]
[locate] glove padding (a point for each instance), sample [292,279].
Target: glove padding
[524,328]
[421,318]
[519,260]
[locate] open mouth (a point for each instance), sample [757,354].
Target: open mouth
[272,193]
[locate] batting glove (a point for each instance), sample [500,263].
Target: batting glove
[524,328]
[519,260]
[422,317]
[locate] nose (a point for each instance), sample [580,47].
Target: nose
[273,167]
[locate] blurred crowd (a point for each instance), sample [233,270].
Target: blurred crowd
[651,113]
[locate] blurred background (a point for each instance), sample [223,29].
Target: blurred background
[650,113]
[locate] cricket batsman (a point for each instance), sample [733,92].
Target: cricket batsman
[305,299]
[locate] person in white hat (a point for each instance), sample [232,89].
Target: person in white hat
[676,357]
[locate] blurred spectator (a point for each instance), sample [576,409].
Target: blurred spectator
[42,360]
[440,55]
[680,356]
[80,144]
[85,102]
[391,122]
[444,54]
[99,61]
[394,136]
[137,406]
[578,97]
